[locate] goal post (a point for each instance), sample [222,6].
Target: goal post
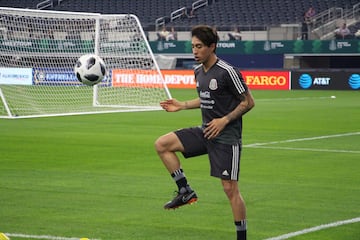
[38,51]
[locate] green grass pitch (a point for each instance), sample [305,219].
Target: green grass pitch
[98,176]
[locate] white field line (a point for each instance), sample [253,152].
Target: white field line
[302,139]
[316,228]
[21,235]
[281,237]
[290,99]
[309,149]
[323,226]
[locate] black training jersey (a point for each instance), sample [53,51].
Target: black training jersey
[219,91]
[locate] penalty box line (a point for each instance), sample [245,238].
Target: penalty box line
[291,99]
[310,149]
[316,228]
[302,139]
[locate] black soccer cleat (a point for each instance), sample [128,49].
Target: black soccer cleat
[183,197]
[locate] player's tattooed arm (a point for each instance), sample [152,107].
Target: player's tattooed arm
[246,104]
[216,125]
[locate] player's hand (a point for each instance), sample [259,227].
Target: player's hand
[214,127]
[171,105]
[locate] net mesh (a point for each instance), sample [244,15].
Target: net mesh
[38,53]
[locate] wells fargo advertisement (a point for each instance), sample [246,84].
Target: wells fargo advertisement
[267,80]
[274,80]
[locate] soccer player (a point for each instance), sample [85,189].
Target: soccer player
[223,98]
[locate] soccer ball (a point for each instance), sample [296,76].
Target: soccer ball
[90,69]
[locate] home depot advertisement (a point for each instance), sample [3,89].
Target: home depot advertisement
[271,80]
[151,78]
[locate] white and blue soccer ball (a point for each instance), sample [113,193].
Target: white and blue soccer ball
[90,69]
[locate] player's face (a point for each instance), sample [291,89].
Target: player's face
[200,50]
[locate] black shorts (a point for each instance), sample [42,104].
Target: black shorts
[224,158]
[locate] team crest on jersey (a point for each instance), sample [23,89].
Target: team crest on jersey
[213,84]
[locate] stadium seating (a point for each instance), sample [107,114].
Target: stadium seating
[147,11]
[223,14]
[19,3]
[353,29]
[254,13]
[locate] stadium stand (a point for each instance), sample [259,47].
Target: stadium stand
[224,14]
[256,19]
[19,3]
[147,11]
[251,14]
[221,13]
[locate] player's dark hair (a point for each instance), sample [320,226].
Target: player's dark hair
[205,34]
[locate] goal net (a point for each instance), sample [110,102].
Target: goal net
[38,51]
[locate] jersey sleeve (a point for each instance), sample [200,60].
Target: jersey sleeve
[236,81]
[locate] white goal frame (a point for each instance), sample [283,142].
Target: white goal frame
[134,81]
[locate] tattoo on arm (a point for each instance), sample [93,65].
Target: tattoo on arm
[247,103]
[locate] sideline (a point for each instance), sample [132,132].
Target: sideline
[21,235]
[314,229]
[281,237]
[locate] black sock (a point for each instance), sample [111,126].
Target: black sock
[179,178]
[241,229]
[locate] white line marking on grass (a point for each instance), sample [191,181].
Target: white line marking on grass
[20,235]
[314,229]
[303,139]
[287,99]
[309,149]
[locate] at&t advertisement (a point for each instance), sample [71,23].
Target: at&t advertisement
[325,80]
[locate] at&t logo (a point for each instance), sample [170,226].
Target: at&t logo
[354,81]
[305,81]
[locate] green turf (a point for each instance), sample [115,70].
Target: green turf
[98,176]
